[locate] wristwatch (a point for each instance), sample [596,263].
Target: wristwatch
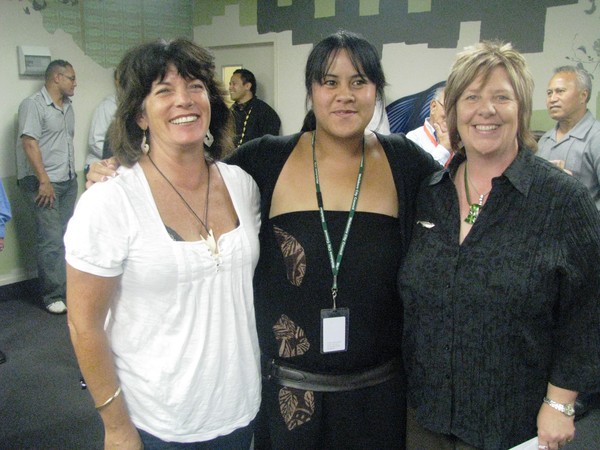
[568,409]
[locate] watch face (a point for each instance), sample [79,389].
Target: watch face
[569,410]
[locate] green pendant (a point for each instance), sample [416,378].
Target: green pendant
[473,213]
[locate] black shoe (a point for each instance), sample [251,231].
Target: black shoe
[2,357]
[583,404]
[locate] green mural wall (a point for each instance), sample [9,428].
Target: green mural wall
[104,29]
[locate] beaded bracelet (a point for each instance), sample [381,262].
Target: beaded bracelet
[110,400]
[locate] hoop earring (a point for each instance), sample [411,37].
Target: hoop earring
[208,139]
[145,146]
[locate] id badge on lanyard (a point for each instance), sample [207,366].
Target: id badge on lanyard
[334,330]
[335,322]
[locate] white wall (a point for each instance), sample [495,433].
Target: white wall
[412,68]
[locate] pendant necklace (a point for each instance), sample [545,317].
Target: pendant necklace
[210,236]
[473,207]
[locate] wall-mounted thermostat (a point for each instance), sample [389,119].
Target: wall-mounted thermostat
[33,60]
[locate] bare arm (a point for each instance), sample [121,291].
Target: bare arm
[89,299]
[554,428]
[46,195]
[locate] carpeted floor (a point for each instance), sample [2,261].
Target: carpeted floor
[41,403]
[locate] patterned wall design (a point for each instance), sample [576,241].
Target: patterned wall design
[205,10]
[104,29]
[522,22]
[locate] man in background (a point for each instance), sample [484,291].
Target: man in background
[46,174]
[98,147]
[253,117]
[574,143]
[433,135]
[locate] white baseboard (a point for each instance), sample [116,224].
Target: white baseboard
[16,276]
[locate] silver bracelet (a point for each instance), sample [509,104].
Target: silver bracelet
[568,409]
[110,400]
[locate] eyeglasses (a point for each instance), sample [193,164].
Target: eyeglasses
[68,77]
[439,103]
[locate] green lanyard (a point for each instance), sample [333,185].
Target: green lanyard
[337,261]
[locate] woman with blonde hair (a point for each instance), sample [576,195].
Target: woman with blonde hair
[500,287]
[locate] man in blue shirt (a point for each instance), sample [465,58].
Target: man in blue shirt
[4,217]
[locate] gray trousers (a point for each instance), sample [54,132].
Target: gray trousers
[51,224]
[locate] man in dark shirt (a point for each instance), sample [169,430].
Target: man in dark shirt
[253,117]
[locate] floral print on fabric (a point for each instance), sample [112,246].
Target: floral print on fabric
[296,405]
[293,255]
[291,338]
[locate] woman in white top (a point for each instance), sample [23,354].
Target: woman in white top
[160,294]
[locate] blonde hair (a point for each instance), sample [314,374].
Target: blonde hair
[480,60]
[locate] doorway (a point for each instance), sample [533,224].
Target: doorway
[257,58]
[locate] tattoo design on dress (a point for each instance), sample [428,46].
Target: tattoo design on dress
[296,405]
[291,338]
[293,255]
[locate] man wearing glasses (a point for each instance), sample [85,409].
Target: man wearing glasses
[433,135]
[46,174]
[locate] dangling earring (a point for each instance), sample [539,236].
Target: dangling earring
[208,139]
[145,146]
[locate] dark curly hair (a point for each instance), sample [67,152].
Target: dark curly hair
[136,72]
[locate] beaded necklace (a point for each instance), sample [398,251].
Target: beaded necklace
[244,128]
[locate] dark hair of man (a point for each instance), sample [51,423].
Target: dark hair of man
[54,67]
[147,63]
[361,52]
[247,77]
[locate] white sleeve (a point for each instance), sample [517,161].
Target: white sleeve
[98,234]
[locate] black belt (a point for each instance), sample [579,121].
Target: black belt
[288,376]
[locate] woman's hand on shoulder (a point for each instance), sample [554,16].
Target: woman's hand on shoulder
[101,171]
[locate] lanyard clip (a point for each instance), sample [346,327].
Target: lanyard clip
[334,292]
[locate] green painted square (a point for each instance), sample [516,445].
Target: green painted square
[368,8]
[248,12]
[324,8]
[419,6]
[284,2]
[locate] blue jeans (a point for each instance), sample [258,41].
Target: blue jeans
[51,224]
[239,439]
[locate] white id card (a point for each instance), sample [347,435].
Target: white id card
[334,330]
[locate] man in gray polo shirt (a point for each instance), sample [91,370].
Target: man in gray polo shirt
[574,143]
[46,174]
